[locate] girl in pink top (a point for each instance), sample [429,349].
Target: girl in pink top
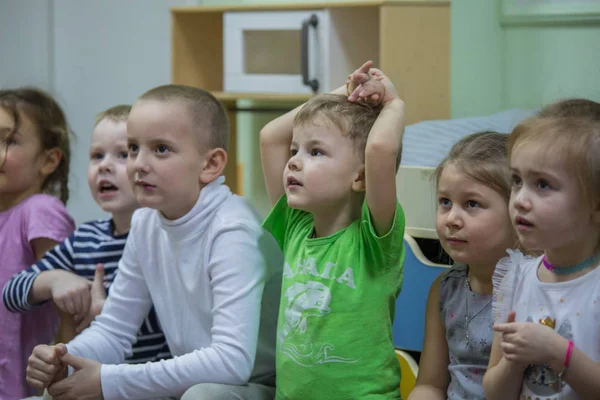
[34,170]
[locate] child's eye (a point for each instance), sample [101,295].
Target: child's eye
[444,202]
[472,204]
[8,141]
[316,152]
[543,185]
[516,180]
[162,149]
[293,152]
[123,154]
[133,148]
[96,156]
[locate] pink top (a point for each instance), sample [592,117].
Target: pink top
[38,216]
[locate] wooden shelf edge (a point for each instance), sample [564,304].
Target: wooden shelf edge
[304,6]
[230,96]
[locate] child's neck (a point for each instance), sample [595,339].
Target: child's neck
[330,221]
[569,256]
[9,200]
[121,222]
[573,253]
[480,278]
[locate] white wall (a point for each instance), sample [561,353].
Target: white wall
[91,55]
[106,52]
[25,43]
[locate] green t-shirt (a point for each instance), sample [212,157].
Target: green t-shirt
[334,334]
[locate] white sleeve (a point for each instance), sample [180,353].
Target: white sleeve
[237,273]
[111,335]
[505,279]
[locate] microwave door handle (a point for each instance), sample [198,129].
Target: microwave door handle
[306,24]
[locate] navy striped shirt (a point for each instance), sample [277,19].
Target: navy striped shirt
[92,243]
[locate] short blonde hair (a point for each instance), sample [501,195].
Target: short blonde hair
[118,113]
[207,113]
[354,120]
[575,140]
[578,108]
[482,156]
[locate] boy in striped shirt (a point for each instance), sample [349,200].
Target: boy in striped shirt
[74,274]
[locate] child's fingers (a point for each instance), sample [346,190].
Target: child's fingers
[69,305]
[77,300]
[505,327]
[366,66]
[360,77]
[37,384]
[86,301]
[371,88]
[40,376]
[508,348]
[43,367]
[44,353]
[60,350]
[376,72]
[355,94]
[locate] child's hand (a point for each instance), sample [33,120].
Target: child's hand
[84,383]
[44,366]
[371,85]
[71,293]
[527,342]
[98,297]
[358,77]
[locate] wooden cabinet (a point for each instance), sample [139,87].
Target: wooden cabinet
[408,40]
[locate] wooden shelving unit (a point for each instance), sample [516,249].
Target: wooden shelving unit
[412,43]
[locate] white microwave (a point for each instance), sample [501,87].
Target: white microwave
[299,52]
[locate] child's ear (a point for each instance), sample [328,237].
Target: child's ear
[214,164]
[359,185]
[51,161]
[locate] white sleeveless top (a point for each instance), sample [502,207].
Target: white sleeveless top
[574,306]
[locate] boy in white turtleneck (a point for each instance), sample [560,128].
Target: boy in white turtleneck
[197,252]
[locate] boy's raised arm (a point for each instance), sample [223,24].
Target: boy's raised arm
[383,147]
[275,140]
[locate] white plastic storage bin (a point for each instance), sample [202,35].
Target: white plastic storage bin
[303,52]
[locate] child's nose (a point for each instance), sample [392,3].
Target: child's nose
[453,219]
[295,163]
[106,165]
[521,200]
[140,163]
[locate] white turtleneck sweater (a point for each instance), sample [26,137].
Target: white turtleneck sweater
[214,278]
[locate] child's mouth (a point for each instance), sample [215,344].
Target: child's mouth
[107,187]
[293,182]
[523,223]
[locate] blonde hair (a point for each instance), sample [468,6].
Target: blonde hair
[354,120]
[482,156]
[576,140]
[118,113]
[578,108]
[51,127]
[206,112]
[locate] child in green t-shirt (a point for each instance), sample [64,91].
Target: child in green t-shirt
[330,169]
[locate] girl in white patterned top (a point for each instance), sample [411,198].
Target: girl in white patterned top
[547,309]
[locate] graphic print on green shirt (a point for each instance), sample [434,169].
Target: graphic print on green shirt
[334,336]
